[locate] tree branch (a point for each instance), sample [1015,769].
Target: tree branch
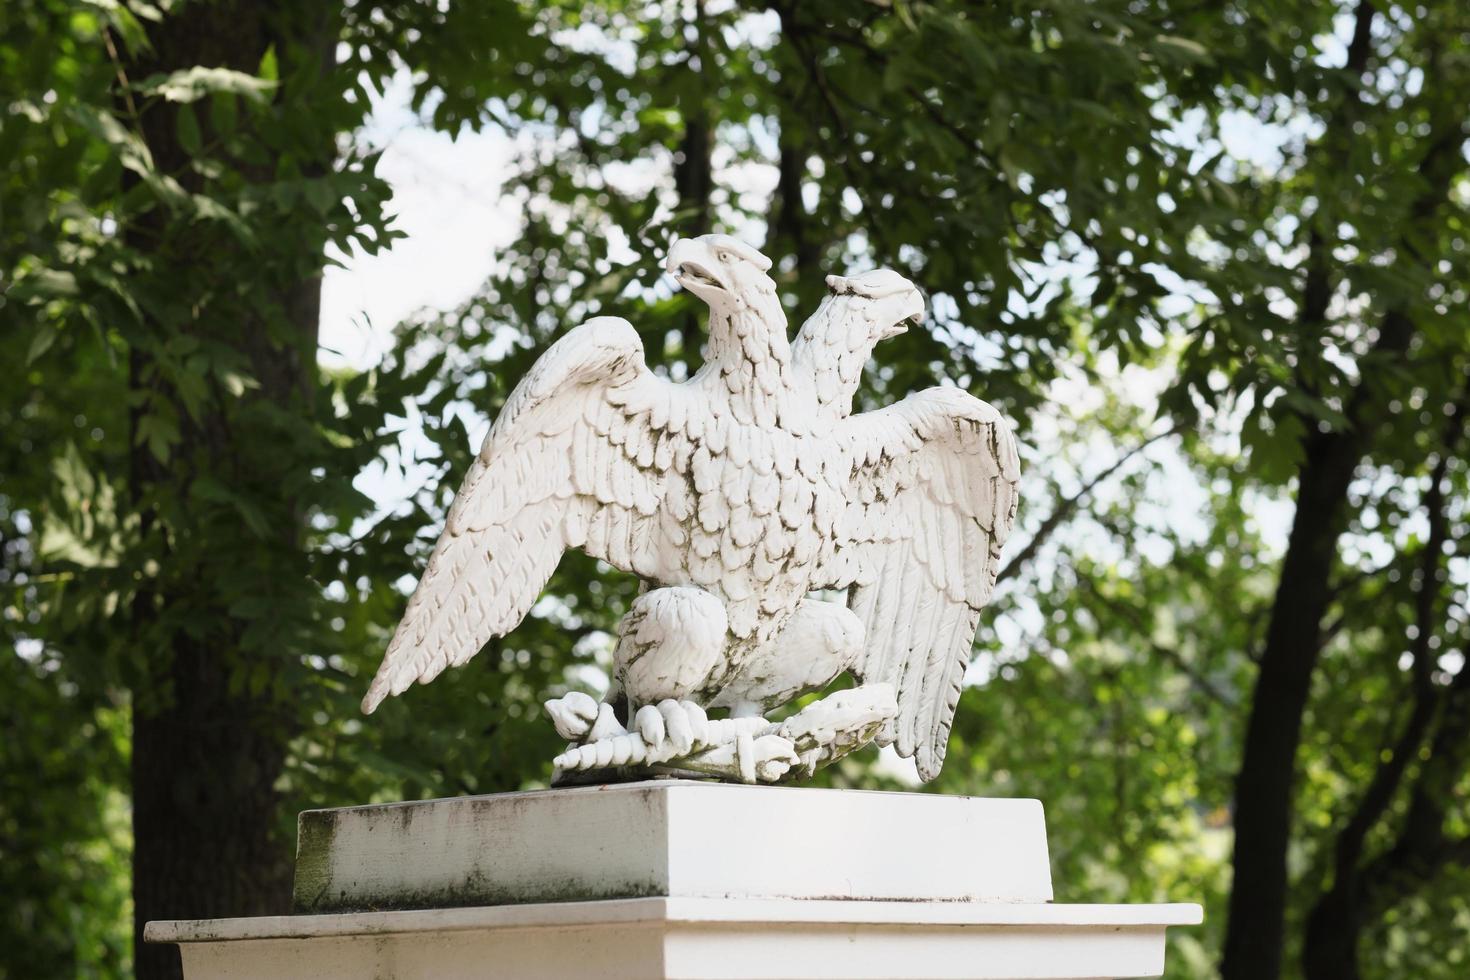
[1069,505]
[1385,782]
[1173,656]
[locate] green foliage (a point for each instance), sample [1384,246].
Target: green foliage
[1103,262]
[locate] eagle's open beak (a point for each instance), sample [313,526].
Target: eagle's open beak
[694,268]
[910,308]
[895,300]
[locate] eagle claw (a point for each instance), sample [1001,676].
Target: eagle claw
[573,714]
[678,724]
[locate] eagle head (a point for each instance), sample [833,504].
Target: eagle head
[722,271]
[891,301]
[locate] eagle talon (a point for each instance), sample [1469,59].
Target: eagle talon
[573,714]
[650,724]
[606,725]
[677,724]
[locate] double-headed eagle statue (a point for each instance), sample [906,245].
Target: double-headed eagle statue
[734,496]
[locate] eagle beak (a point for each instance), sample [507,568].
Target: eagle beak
[693,267]
[910,308]
[894,299]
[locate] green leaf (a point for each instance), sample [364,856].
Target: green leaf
[269,69]
[159,433]
[223,113]
[320,194]
[49,284]
[132,151]
[192,84]
[1184,48]
[41,343]
[186,128]
[211,489]
[210,209]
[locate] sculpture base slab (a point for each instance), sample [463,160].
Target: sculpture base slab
[671,838]
[671,878]
[690,939]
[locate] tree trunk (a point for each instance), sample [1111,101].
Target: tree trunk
[791,232]
[204,808]
[207,747]
[694,178]
[694,181]
[1263,791]
[1330,941]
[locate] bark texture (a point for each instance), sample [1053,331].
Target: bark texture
[1263,792]
[207,753]
[694,179]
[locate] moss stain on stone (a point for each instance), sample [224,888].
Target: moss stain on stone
[315,832]
[477,889]
[317,891]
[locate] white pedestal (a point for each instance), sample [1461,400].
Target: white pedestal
[679,879]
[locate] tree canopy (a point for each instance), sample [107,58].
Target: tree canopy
[1210,259]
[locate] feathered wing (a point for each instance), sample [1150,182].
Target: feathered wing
[931,501]
[568,463]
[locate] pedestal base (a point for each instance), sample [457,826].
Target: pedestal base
[688,939]
[671,879]
[671,838]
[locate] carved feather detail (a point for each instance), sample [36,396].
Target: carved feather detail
[554,472]
[932,497]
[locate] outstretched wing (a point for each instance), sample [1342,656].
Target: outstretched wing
[568,463]
[931,501]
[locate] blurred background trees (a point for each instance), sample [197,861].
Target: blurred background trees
[1209,258]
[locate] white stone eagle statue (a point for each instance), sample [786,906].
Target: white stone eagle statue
[734,496]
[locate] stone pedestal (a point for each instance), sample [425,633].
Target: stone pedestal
[680,879]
